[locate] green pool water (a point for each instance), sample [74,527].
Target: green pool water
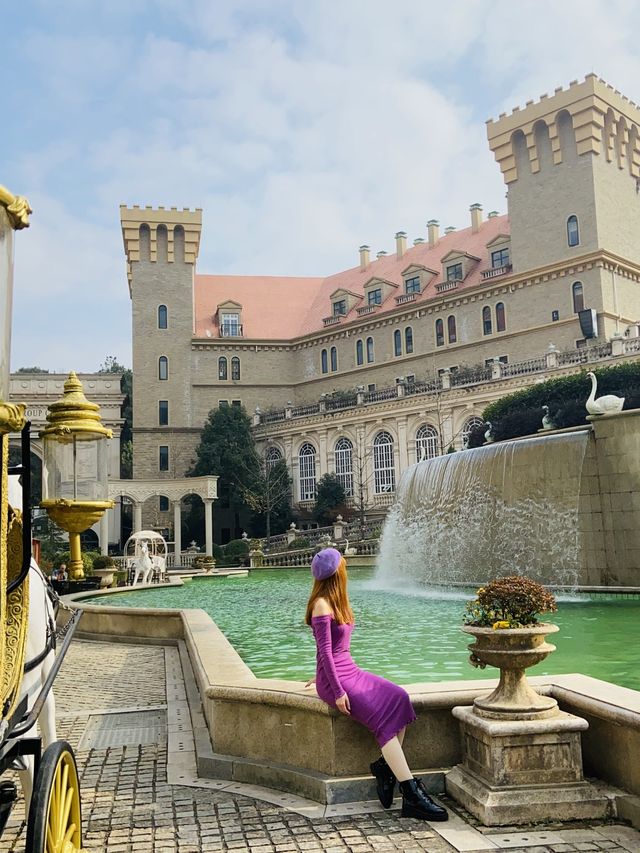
[406,637]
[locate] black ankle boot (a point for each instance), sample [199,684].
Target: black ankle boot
[417,803]
[385,781]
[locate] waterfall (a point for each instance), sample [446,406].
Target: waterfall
[507,508]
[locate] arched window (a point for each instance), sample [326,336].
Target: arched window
[324,364]
[162,316]
[578,296]
[573,233]
[427,443]
[343,455]
[470,424]
[487,326]
[501,320]
[272,457]
[439,333]
[222,368]
[334,359]
[359,352]
[451,329]
[235,368]
[397,342]
[383,468]
[370,355]
[408,340]
[307,469]
[163,367]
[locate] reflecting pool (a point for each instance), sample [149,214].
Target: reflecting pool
[408,637]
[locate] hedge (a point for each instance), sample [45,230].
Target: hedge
[521,413]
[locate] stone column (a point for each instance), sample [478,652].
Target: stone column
[104,533]
[208,526]
[177,532]
[137,516]
[322,456]
[403,450]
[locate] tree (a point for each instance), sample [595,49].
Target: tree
[31,370]
[227,449]
[330,498]
[112,365]
[270,495]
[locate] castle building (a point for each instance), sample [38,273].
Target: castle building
[368,370]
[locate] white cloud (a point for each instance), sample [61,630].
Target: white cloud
[302,129]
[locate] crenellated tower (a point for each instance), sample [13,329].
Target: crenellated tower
[161,247]
[571,162]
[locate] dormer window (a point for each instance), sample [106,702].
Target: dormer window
[340,308]
[374,297]
[412,285]
[454,272]
[500,258]
[230,327]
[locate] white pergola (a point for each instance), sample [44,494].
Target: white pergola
[139,491]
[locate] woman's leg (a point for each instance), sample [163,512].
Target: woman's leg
[394,756]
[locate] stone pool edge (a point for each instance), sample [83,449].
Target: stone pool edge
[278,734]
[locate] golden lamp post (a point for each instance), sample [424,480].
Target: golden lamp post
[74,474]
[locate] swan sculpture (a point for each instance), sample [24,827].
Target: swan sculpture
[487,436]
[349,552]
[607,405]
[547,423]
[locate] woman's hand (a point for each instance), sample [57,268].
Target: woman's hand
[310,682]
[343,705]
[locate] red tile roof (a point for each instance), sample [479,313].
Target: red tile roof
[283,307]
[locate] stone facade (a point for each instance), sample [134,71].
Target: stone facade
[404,342]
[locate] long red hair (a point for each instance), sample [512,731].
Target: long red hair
[334,591]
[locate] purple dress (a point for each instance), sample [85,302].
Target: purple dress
[380,705]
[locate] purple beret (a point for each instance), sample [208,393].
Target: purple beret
[325,563]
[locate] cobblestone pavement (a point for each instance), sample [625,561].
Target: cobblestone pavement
[129,807]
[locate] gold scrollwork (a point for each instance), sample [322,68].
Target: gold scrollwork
[12,417]
[17,207]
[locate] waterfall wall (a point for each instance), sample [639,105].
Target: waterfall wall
[563,508]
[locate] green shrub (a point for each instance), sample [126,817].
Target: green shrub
[476,436]
[236,548]
[521,413]
[298,544]
[87,560]
[218,553]
[103,562]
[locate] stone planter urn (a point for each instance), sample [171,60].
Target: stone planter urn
[105,575]
[512,651]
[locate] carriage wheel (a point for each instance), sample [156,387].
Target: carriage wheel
[55,818]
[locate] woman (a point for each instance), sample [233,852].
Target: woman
[381,706]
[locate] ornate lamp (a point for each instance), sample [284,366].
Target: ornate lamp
[74,474]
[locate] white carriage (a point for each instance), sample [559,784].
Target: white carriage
[145,555]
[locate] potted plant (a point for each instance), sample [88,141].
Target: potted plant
[105,568]
[508,634]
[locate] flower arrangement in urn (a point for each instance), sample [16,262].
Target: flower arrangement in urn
[508,634]
[511,602]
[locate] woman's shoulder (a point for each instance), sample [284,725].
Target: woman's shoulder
[321,607]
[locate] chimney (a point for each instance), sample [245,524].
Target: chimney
[364,257]
[418,241]
[476,217]
[401,243]
[492,213]
[449,229]
[381,254]
[433,230]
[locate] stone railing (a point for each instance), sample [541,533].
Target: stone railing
[301,557]
[405,297]
[331,321]
[447,285]
[494,272]
[185,561]
[552,360]
[366,309]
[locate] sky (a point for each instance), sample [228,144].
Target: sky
[302,128]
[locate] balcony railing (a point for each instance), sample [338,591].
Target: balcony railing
[231,330]
[332,320]
[366,309]
[545,364]
[447,285]
[494,272]
[405,297]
